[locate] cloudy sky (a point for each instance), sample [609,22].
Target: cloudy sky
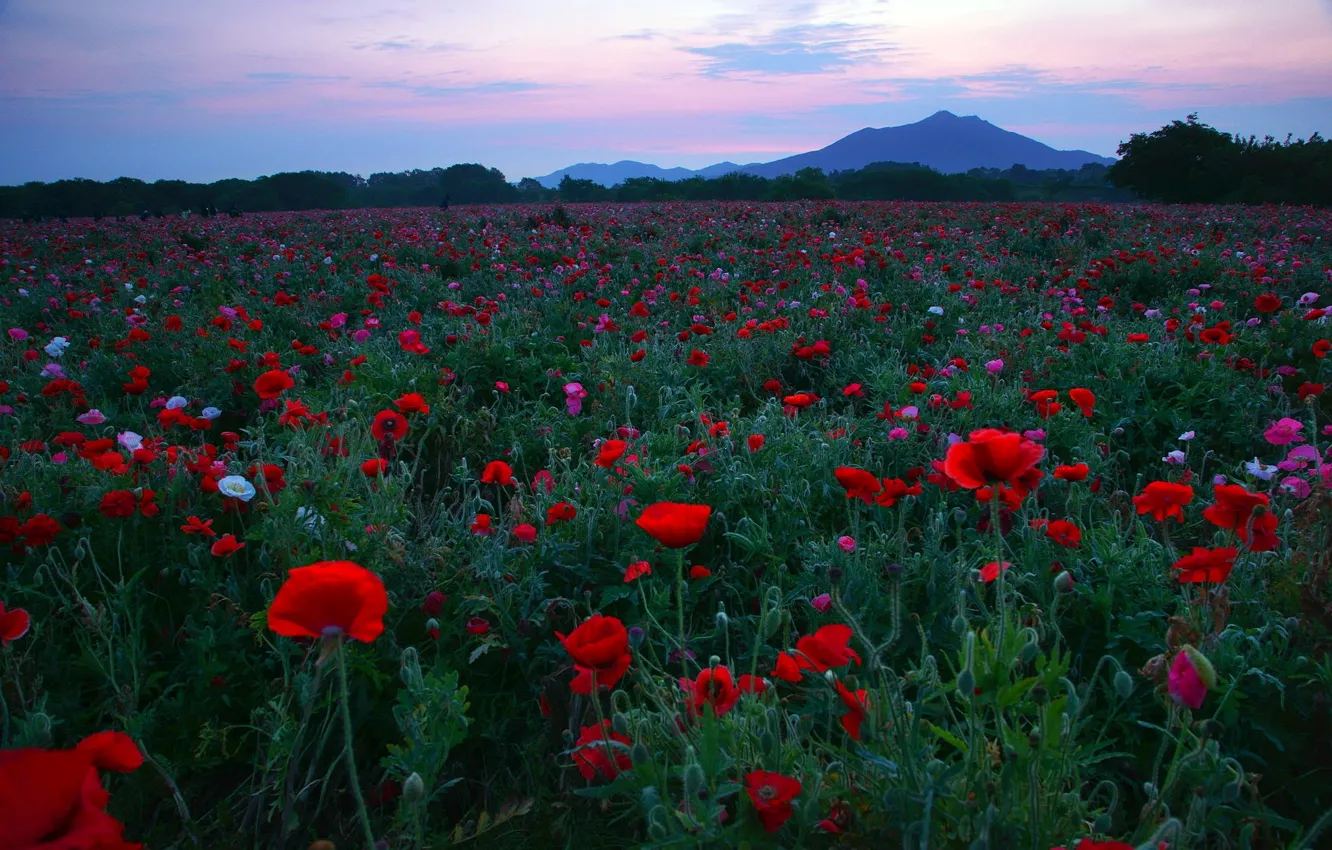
[200,91]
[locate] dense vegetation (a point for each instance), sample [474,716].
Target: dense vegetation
[1189,162]
[807,524]
[475,184]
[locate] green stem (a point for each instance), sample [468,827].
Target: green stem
[679,606]
[361,811]
[1001,581]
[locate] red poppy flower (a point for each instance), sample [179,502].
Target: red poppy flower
[388,424]
[1084,399]
[714,686]
[636,570]
[858,483]
[1163,499]
[374,467]
[698,571]
[524,533]
[477,626]
[1233,507]
[1076,472]
[14,624]
[609,452]
[560,512]
[1268,302]
[225,545]
[273,383]
[990,572]
[675,525]
[1064,533]
[787,669]
[599,645]
[771,794]
[697,358]
[194,525]
[412,403]
[481,525]
[754,442]
[856,703]
[1260,533]
[1205,565]
[330,598]
[497,472]
[827,647]
[894,489]
[118,504]
[55,798]
[590,753]
[992,457]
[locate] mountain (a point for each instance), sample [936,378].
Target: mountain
[944,142]
[618,172]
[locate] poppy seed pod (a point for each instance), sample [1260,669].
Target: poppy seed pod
[1123,685]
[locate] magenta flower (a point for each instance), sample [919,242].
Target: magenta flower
[847,544]
[994,367]
[1284,431]
[1191,676]
[822,602]
[573,397]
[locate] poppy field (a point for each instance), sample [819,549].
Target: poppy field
[668,525]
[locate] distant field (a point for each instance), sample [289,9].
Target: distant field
[874,524]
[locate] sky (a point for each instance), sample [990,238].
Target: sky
[199,91]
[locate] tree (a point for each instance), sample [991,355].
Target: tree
[1183,162]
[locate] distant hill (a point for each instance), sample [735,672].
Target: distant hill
[627,169]
[945,142]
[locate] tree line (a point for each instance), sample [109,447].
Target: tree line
[1189,162]
[1183,162]
[475,184]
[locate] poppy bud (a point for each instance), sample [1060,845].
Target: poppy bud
[1123,685]
[694,780]
[830,677]
[639,755]
[722,621]
[1230,791]
[893,570]
[1040,695]
[767,742]
[636,635]
[80,552]
[432,626]
[620,724]
[834,574]
[960,624]
[966,682]
[413,790]
[1034,740]
[1102,824]
[1063,583]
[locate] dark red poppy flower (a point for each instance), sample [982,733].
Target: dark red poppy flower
[1268,302]
[675,525]
[118,504]
[771,794]
[1085,400]
[600,646]
[560,512]
[1206,565]
[858,483]
[787,669]
[14,624]
[1076,472]
[714,686]
[412,403]
[273,383]
[992,457]
[330,598]
[1233,506]
[591,756]
[637,570]
[55,799]
[1064,533]
[827,647]
[388,424]
[226,545]
[609,452]
[497,472]
[1164,499]
[856,703]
